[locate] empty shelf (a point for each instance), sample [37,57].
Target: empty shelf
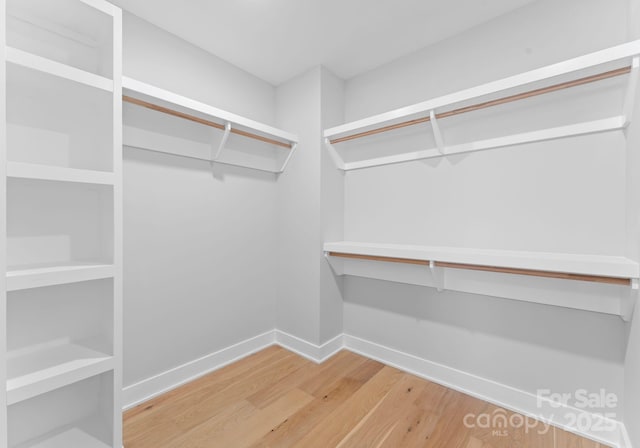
[73,437]
[34,62]
[391,119]
[58,173]
[26,277]
[597,266]
[165,101]
[590,68]
[41,369]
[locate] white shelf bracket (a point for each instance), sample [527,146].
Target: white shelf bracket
[632,88]
[334,154]
[227,130]
[628,302]
[294,146]
[438,275]
[335,264]
[437,133]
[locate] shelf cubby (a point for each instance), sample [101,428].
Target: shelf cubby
[70,32]
[58,224]
[77,415]
[48,347]
[57,121]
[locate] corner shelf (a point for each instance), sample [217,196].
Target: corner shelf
[19,170]
[619,60]
[35,371]
[159,100]
[25,277]
[431,263]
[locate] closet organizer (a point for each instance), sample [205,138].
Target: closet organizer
[599,283]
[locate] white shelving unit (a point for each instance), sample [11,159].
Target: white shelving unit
[594,68]
[62,170]
[610,278]
[163,121]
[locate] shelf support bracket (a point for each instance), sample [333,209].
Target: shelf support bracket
[336,265]
[438,275]
[632,87]
[437,133]
[294,146]
[223,142]
[629,300]
[334,154]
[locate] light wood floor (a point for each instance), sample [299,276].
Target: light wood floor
[275,398]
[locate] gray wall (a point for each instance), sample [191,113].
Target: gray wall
[199,249]
[539,197]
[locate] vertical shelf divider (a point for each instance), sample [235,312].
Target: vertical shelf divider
[3,229]
[117,227]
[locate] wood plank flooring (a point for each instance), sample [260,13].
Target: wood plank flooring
[276,398]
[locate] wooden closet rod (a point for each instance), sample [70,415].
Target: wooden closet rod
[213,124]
[475,267]
[496,102]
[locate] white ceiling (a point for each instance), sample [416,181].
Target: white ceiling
[278,39]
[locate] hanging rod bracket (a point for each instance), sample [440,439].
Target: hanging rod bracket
[437,274]
[437,133]
[294,146]
[223,142]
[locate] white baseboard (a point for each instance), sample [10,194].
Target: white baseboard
[313,352]
[159,384]
[499,394]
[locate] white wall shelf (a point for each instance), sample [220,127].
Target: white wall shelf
[39,63]
[36,171]
[588,265]
[446,268]
[609,63]
[25,277]
[36,371]
[226,123]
